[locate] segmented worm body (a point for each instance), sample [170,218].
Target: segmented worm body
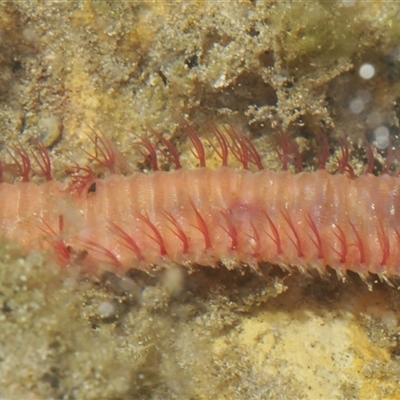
[208,217]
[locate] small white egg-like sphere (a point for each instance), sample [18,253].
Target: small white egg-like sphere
[106,309]
[381,134]
[356,105]
[366,71]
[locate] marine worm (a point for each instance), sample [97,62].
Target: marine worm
[204,216]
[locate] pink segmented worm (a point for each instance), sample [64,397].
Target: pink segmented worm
[203,216]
